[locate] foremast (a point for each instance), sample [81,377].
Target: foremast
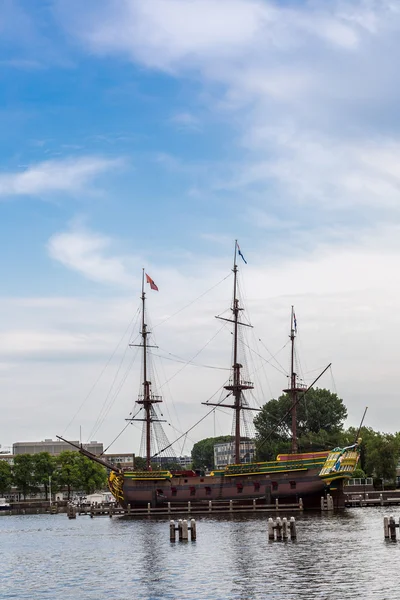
[236,385]
[295,386]
[147,399]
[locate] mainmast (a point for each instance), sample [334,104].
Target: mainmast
[236,384]
[147,399]
[295,385]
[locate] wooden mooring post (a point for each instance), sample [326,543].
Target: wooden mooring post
[183,530]
[389,528]
[327,503]
[281,529]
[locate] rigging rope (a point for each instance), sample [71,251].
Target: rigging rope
[200,420]
[192,302]
[273,357]
[197,354]
[121,432]
[101,420]
[293,405]
[102,371]
[182,360]
[268,362]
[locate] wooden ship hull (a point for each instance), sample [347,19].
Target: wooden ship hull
[308,478]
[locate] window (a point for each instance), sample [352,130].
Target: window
[274,485]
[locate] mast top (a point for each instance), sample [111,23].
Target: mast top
[236,385]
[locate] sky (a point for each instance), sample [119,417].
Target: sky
[152,135]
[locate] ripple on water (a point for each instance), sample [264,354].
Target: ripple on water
[336,557]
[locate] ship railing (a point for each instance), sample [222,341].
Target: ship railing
[207,506]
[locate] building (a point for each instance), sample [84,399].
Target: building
[54,447]
[122,461]
[184,462]
[8,458]
[224,453]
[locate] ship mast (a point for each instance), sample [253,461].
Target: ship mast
[295,385]
[147,399]
[236,384]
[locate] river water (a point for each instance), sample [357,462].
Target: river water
[336,557]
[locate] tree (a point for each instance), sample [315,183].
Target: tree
[5,477]
[24,474]
[382,456]
[91,476]
[320,418]
[203,451]
[68,471]
[44,466]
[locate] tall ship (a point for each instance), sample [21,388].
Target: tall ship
[291,476]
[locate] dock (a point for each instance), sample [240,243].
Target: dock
[364,500]
[171,510]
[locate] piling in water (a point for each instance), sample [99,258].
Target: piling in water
[281,529]
[389,528]
[172,531]
[392,528]
[193,529]
[271,533]
[183,530]
[292,528]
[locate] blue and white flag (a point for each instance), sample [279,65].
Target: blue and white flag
[240,253]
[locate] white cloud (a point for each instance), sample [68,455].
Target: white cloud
[320,171]
[64,175]
[186,121]
[173,33]
[88,253]
[305,84]
[346,306]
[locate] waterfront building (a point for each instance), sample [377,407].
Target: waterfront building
[121,460]
[7,457]
[185,462]
[54,447]
[224,453]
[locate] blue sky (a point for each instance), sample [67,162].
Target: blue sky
[154,134]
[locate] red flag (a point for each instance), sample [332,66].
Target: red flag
[151,282]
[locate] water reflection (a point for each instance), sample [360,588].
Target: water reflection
[335,558]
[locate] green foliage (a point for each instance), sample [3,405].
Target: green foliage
[68,471]
[359,474]
[140,463]
[379,452]
[5,477]
[91,476]
[44,466]
[382,455]
[320,418]
[203,451]
[24,474]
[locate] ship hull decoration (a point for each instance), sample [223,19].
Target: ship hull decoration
[308,477]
